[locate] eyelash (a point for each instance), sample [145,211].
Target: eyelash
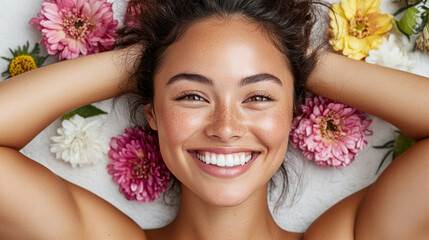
[260,97]
[187,97]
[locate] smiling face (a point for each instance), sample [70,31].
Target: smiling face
[223,109]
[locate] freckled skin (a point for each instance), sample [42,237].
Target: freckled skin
[225,51]
[395,207]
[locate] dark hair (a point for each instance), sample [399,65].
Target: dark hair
[156,24]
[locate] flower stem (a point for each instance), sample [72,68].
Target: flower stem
[382,161]
[399,11]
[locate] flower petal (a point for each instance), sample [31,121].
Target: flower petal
[369,5]
[350,7]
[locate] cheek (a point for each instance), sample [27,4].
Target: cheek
[174,128]
[273,132]
[176,125]
[273,128]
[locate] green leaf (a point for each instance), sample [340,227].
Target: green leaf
[7,59]
[12,52]
[425,18]
[5,73]
[85,112]
[408,23]
[39,60]
[402,144]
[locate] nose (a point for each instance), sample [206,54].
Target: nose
[226,123]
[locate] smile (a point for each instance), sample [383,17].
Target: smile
[224,160]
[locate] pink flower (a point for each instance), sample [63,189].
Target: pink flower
[72,28]
[329,132]
[133,13]
[137,165]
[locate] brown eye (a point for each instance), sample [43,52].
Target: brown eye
[192,97]
[258,98]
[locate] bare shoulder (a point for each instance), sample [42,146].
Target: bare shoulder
[337,223]
[396,206]
[102,220]
[37,204]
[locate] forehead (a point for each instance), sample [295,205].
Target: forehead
[224,48]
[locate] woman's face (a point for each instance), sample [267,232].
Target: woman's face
[223,109]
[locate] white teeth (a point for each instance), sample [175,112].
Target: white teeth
[200,157]
[237,159]
[207,158]
[248,158]
[229,162]
[224,160]
[243,158]
[221,161]
[213,159]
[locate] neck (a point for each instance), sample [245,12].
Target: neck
[250,219]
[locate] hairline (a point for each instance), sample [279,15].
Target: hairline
[264,27]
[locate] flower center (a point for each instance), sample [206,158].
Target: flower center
[141,168]
[362,26]
[76,26]
[21,64]
[330,127]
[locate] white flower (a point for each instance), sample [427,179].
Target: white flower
[393,53]
[79,141]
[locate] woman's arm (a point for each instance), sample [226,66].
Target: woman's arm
[35,203]
[31,101]
[398,97]
[396,206]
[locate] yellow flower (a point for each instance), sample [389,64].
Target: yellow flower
[21,64]
[23,60]
[357,26]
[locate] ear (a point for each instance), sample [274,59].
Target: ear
[150,116]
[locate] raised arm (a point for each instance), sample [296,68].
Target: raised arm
[31,101]
[398,97]
[396,206]
[35,203]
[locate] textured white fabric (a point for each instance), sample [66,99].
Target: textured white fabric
[320,188]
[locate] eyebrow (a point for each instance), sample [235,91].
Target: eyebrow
[204,80]
[191,77]
[258,78]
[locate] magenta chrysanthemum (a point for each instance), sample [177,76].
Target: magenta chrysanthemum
[72,28]
[329,132]
[137,165]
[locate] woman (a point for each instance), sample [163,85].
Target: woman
[218,79]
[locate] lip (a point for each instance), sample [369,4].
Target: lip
[223,172]
[223,150]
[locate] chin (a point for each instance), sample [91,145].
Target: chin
[226,201]
[225,196]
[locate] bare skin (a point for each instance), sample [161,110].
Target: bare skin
[395,207]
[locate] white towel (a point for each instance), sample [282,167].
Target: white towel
[320,187]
